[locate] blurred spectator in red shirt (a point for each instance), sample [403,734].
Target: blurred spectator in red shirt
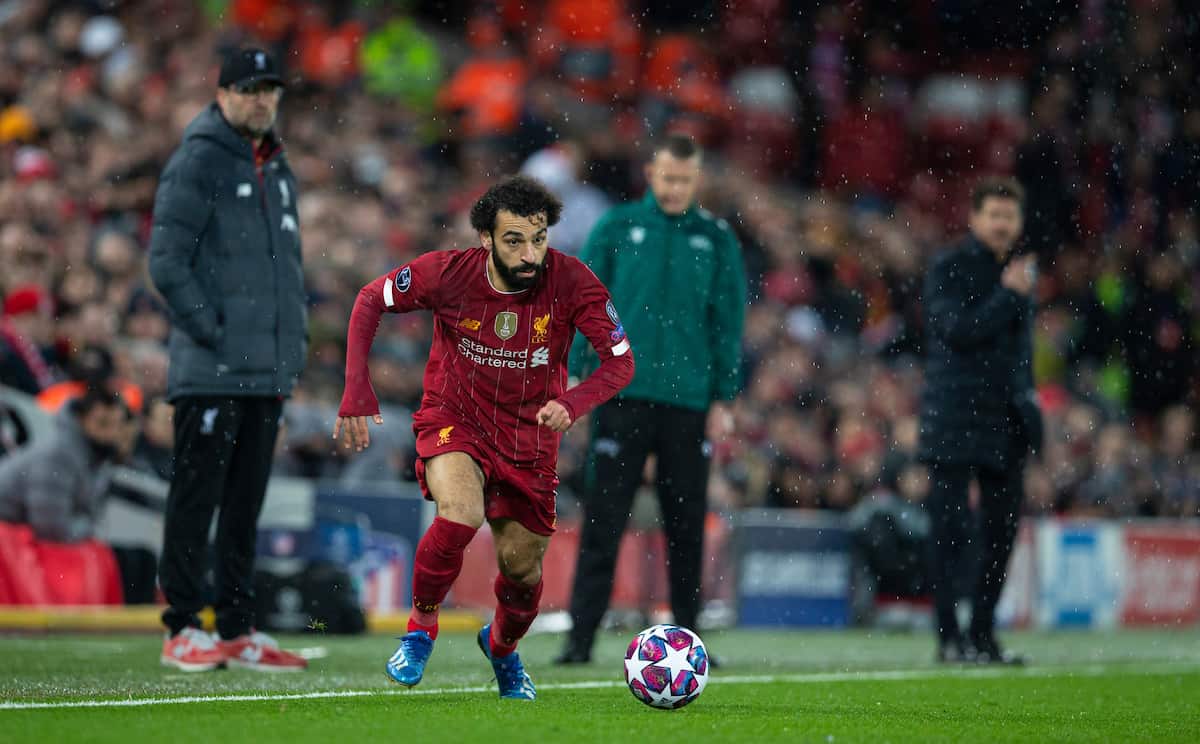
[593,44]
[866,146]
[26,332]
[269,20]
[745,40]
[763,129]
[328,51]
[487,92]
[681,79]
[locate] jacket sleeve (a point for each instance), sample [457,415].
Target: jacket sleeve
[597,255]
[49,506]
[597,320]
[727,317]
[182,208]
[951,317]
[414,286]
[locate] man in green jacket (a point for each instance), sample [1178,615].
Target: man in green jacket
[676,271]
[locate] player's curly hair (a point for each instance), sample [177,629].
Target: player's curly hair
[521,195]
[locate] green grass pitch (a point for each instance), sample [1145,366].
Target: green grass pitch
[775,686]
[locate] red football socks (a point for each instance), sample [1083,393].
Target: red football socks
[438,560]
[517,606]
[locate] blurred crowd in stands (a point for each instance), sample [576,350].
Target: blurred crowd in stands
[842,140]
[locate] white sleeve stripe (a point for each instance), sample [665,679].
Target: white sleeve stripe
[387,293]
[621,348]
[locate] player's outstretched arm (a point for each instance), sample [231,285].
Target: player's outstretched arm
[597,320]
[412,287]
[358,397]
[613,374]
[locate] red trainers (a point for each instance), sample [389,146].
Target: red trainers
[192,650]
[260,652]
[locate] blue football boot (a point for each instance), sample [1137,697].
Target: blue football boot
[514,683]
[407,665]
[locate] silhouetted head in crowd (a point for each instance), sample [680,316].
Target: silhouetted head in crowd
[102,419]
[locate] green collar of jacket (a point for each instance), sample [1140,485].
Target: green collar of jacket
[651,203]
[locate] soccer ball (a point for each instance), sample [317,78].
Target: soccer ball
[666,666]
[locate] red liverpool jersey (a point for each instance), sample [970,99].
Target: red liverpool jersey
[497,357]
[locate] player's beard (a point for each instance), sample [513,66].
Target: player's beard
[509,275]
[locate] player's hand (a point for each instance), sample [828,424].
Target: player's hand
[1020,275]
[554,416]
[720,421]
[353,431]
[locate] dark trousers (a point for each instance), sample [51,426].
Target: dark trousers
[137,566]
[958,537]
[625,432]
[223,451]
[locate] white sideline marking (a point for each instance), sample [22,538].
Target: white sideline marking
[1090,670]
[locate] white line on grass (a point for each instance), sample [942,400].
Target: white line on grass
[1090,670]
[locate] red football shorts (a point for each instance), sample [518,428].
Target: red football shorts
[525,493]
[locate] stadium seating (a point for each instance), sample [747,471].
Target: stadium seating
[37,572]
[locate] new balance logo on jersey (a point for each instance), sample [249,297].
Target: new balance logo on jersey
[540,357]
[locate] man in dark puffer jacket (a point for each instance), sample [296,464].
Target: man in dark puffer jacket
[979,418]
[225,254]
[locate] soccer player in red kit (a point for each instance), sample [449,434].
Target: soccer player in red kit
[494,409]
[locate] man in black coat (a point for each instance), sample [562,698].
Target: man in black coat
[225,254]
[979,417]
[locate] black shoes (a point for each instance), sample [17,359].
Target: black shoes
[954,651]
[981,650]
[572,656]
[988,651]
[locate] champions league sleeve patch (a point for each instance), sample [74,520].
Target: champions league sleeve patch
[618,332]
[612,313]
[402,282]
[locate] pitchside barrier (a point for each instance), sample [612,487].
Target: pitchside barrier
[371,532]
[787,568]
[793,569]
[1064,573]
